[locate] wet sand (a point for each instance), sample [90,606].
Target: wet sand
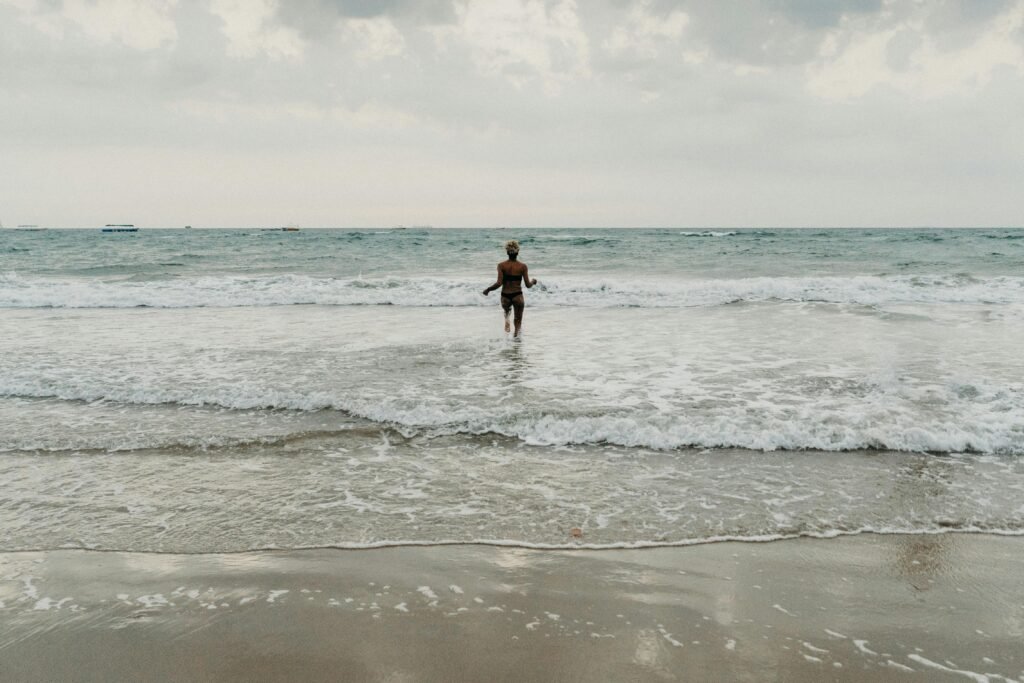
[880,608]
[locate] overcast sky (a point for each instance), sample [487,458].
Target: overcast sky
[512,112]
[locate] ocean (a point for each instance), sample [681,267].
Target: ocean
[196,391]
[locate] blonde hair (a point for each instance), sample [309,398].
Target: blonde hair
[512,246]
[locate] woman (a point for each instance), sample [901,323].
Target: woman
[512,274]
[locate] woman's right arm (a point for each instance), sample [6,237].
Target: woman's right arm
[498,283]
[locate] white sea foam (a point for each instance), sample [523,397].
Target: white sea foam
[767,378]
[973,675]
[151,601]
[277,290]
[989,427]
[46,604]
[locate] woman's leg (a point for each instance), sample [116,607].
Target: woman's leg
[506,305]
[519,304]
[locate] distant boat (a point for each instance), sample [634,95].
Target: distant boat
[119,227]
[188,227]
[24,228]
[290,228]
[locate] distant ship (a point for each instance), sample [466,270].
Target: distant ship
[24,228]
[119,227]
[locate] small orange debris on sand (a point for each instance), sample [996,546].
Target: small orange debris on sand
[576,532]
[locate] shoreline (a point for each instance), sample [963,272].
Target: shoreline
[579,547]
[948,606]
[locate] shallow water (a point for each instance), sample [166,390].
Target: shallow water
[354,388]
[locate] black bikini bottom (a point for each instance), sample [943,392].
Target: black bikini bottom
[511,298]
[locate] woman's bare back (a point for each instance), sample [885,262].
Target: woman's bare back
[512,273]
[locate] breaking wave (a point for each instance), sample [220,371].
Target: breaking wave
[281,290]
[887,422]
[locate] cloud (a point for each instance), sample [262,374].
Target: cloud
[764,33]
[908,57]
[251,29]
[816,14]
[522,39]
[376,37]
[316,19]
[643,31]
[138,24]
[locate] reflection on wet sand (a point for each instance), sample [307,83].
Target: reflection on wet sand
[923,481]
[802,610]
[921,559]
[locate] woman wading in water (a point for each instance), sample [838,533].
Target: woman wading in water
[512,275]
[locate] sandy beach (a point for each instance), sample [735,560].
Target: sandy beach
[924,607]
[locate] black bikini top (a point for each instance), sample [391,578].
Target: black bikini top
[513,279]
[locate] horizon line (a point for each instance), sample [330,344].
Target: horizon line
[29,227]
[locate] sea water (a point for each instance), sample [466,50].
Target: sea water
[225,390]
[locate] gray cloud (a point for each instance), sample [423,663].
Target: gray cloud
[901,48]
[318,18]
[771,32]
[817,14]
[955,23]
[434,11]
